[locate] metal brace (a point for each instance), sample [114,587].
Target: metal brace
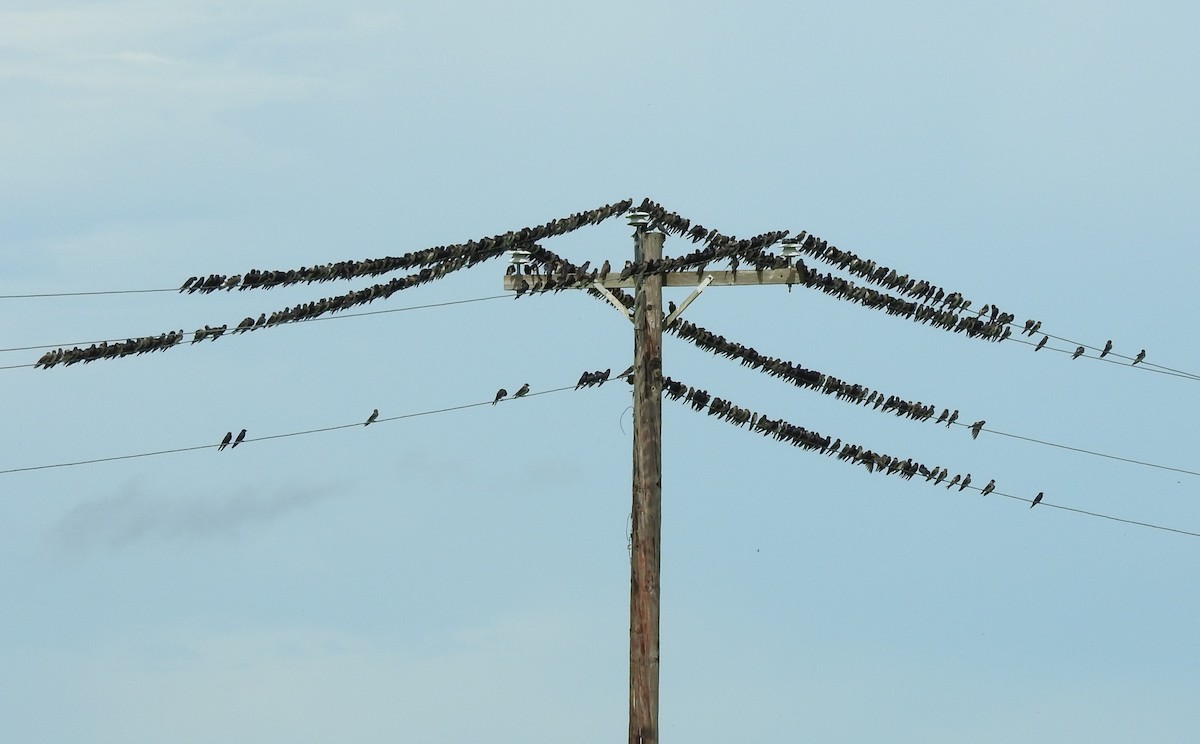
[613,299]
[690,298]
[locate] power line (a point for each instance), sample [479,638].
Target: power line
[273,436]
[1084,451]
[1144,366]
[83,294]
[1096,514]
[798,436]
[302,320]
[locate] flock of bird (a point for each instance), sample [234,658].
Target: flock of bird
[437,262]
[801,377]
[933,305]
[798,436]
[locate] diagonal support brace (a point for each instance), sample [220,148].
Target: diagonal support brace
[690,298]
[612,298]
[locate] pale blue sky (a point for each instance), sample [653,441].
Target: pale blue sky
[463,577]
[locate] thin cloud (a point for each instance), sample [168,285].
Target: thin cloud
[130,515]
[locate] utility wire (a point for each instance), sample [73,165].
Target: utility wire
[1144,366]
[1084,451]
[274,436]
[705,404]
[302,320]
[82,294]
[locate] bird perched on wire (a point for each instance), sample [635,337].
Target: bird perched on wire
[953,418]
[1141,355]
[965,482]
[500,394]
[991,486]
[1078,352]
[524,389]
[1041,343]
[1107,348]
[1036,500]
[225,442]
[241,437]
[945,415]
[976,428]
[371,419]
[954,482]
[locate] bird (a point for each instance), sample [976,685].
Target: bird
[965,482]
[241,437]
[225,442]
[670,308]
[1107,348]
[976,428]
[945,415]
[953,482]
[1141,355]
[1041,343]
[371,419]
[524,389]
[991,486]
[501,393]
[1036,500]
[1078,352]
[953,418]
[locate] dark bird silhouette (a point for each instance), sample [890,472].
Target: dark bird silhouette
[605,268]
[225,442]
[1036,500]
[501,393]
[953,418]
[1107,348]
[1041,343]
[1141,355]
[371,419]
[945,415]
[953,482]
[670,307]
[965,482]
[188,283]
[991,486]
[241,437]
[524,389]
[976,428]
[1078,352]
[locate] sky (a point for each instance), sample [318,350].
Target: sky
[463,576]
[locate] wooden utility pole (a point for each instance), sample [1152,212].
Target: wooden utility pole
[646,549]
[646,553]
